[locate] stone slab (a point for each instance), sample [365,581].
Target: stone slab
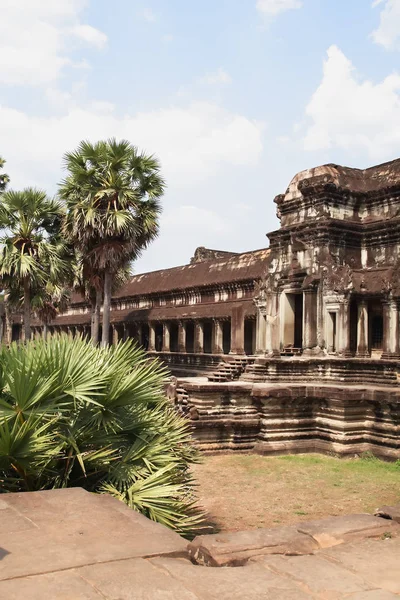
[136,579]
[65,585]
[72,527]
[373,595]
[236,548]
[317,575]
[336,530]
[242,583]
[389,512]
[377,561]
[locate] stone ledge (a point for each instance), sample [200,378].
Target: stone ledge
[235,549]
[389,512]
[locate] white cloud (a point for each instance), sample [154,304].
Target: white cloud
[388,32]
[90,35]
[35,39]
[352,114]
[193,143]
[274,7]
[149,15]
[218,77]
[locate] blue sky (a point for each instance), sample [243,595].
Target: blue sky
[233,96]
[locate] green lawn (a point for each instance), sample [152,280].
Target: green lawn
[248,491]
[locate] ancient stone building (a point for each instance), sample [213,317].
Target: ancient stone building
[309,327]
[331,284]
[327,286]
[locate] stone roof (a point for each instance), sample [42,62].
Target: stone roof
[363,181]
[239,267]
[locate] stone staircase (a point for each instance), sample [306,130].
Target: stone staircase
[231,369]
[182,396]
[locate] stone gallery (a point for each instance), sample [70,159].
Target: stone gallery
[299,341]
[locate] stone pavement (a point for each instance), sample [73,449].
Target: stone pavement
[72,545]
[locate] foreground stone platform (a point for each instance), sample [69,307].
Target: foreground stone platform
[72,545]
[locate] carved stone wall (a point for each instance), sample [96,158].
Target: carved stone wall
[271,419]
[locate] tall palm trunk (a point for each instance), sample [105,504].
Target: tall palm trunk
[8,334]
[27,309]
[96,318]
[106,308]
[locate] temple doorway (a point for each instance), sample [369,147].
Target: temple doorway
[144,336]
[331,332]
[292,334]
[375,325]
[249,336]
[159,336]
[207,333]
[190,336]
[226,337]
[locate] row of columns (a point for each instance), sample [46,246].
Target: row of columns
[121,332]
[391,329]
[269,326]
[198,345]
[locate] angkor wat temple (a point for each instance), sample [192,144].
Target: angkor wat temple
[300,341]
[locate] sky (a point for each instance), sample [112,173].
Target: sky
[233,96]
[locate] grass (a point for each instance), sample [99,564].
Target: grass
[250,491]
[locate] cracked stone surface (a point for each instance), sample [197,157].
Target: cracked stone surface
[72,545]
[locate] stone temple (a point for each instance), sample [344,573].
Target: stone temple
[299,341]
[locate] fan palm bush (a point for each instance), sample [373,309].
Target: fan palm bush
[72,414]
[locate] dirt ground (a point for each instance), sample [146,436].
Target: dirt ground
[250,491]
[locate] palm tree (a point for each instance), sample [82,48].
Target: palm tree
[112,197]
[31,251]
[48,302]
[4,179]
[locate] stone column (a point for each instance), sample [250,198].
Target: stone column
[310,306]
[261,330]
[273,339]
[344,328]
[166,347]
[152,336]
[237,331]
[391,345]
[124,331]
[198,337]
[218,341]
[115,335]
[362,329]
[181,336]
